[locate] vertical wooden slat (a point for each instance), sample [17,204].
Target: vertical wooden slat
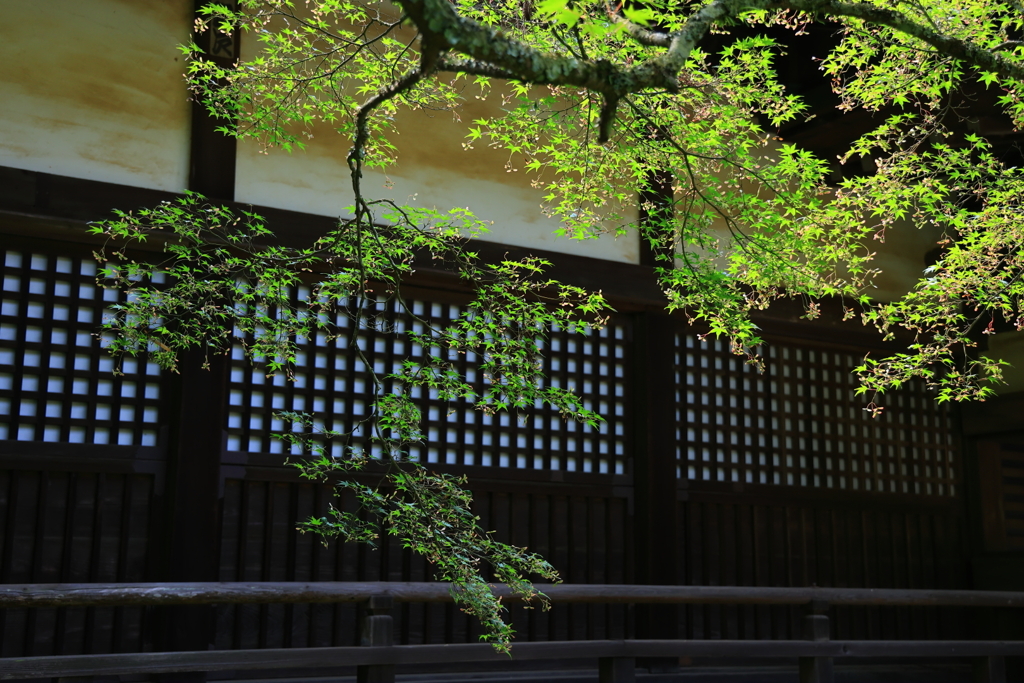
[886,570]
[683,576]
[38,618]
[57,540]
[597,564]
[8,502]
[809,547]
[762,562]
[928,575]
[794,561]
[839,532]
[578,535]
[559,557]
[911,525]
[541,515]
[124,539]
[779,569]
[728,569]
[746,559]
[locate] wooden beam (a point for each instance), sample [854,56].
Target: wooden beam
[212,154]
[60,208]
[14,596]
[332,657]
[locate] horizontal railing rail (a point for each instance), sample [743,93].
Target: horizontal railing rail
[237,593]
[376,658]
[334,657]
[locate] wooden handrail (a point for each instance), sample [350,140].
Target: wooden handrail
[142,594]
[376,660]
[323,657]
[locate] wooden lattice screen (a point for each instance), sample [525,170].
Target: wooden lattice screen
[56,383]
[800,423]
[332,383]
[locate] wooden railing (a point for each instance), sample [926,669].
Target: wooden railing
[376,658]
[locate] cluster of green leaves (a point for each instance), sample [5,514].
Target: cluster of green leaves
[315,64]
[503,326]
[431,514]
[228,280]
[750,220]
[979,204]
[220,281]
[876,66]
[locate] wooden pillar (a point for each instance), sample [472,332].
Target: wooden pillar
[191,514]
[212,154]
[378,630]
[190,539]
[816,628]
[190,548]
[654,444]
[654,475]
[617,669]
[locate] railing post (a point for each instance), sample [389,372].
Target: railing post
[989,669]
[816,669]
[617,669]
[378,630]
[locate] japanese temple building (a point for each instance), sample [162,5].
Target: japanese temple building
[706,472]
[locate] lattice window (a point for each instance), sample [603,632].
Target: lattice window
[333,383]
[801,424]
[56,382]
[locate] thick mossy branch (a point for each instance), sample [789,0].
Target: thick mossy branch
[493,53]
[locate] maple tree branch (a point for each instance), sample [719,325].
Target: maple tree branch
[962,50]
[471,66]
[429,54]
[493,53]
[640,34]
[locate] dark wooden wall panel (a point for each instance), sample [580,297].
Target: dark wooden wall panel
[582,532]
[815,544]
[74,527]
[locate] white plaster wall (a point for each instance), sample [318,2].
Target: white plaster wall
[432,170]
[94,89]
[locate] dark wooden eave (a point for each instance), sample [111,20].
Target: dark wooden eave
[35,205]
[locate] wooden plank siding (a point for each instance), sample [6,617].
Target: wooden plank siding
[811,543]
[60,526]
[583,534]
